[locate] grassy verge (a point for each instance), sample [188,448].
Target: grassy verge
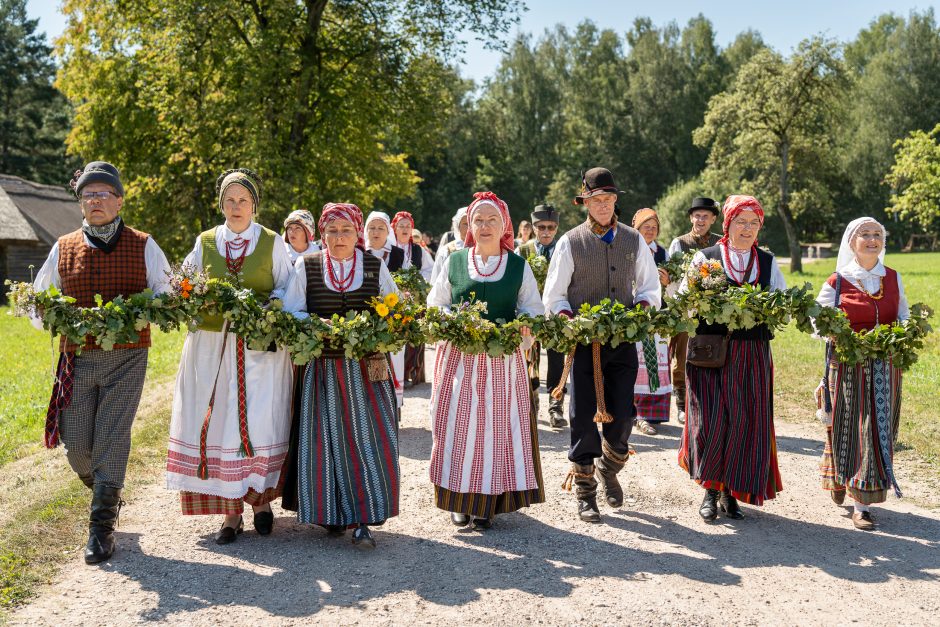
[798,359]
[42,531]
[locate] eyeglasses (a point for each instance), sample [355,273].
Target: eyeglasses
[747,224]
[546,227]
[98,195]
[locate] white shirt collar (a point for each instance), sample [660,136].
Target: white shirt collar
[228,234]
[853,270]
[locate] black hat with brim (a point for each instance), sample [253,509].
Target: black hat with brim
[594,182]
[544,213]
[705,203]
[100,172]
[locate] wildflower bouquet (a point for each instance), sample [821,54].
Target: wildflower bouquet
[412,284]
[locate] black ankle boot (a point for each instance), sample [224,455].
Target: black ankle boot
[362,537]
[709,509]
[105,507]
[556,415]
[582,477]
[729,505]
[461,520]
[608,465]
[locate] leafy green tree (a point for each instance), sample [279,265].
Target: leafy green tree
[915,178]
[34,116]
[771,128]
[325,99]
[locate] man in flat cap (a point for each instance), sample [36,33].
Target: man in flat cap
[96,392]
[601,258]
[545,222]
[702,215]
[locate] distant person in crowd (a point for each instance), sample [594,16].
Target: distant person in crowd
[652,393]
[230,422]
[525,233]
[402,230]
[96,393]
[485,455]
[450,242]
[342,470]
[728,444]
[702,215]
[865,397]
[601,258]
[300,234]
[545,220]
[427,242]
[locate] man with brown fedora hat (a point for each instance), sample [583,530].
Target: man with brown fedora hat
[545,223]
[702,214]
[601,258]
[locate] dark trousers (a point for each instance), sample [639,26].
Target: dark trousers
[556,364]
[619,367]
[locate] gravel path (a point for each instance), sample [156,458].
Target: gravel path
[798,560]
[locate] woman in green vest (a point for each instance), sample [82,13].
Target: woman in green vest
[231,410]
[485,457]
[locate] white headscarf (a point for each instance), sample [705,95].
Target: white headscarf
[846,252]
[455,223]
[382,216]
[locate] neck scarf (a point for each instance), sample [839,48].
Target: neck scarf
[104,237]
[701,241]
[599,229]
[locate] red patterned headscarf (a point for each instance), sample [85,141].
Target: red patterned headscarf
[342,211]
[507,239]
[402,215]
[733,207]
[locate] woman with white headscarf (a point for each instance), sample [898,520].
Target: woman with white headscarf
[379,243]
[485,456]
[458,230]
[866,397]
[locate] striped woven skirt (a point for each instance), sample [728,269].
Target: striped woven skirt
[728,441]
[485,456]
[342,468]
[866,411]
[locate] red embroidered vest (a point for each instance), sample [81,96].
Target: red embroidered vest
[85,271]
[863,310]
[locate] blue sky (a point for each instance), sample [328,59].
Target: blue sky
[783,24]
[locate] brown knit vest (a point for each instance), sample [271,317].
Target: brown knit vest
[603,270]
[324,302]
[86,271]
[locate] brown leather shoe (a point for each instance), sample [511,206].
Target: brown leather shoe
[838,496]
[863,521]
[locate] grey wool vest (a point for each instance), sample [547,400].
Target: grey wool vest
[603,270]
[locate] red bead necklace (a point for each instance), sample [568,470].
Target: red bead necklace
[473,256]
[345,281]
[235,252]
[743,272]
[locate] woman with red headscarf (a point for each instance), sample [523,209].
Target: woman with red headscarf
[342,469]
[485,456]
[728,444]
[403,226]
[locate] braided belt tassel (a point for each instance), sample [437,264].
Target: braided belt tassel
[601,416]
[559,392]
[246,449]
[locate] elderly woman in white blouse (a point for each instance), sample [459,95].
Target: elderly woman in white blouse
[485,456]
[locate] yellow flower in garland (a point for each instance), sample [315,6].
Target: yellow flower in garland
[391,300]
[381,309]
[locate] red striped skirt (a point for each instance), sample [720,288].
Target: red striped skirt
[728,441]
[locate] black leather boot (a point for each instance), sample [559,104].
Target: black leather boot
[362,537]
[709,509]
[105,507]
[586,490]
[556,414]
[88,480]
[729,505]
[608,465]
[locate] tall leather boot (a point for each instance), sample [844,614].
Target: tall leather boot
[88,480]
[680,404]
[585,490]
[608,465]
[105,508]
[556,414]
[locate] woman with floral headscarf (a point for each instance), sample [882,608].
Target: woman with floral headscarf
[415,255]
[342,470]
[231,409]
[484,460]
[865,397]
[728,444]
[299,234]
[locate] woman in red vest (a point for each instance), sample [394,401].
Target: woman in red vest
[866,397]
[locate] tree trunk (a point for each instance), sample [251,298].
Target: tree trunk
[783,209]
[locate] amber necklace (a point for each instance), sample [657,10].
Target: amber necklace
[878,295]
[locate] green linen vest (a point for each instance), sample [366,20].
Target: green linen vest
[257,272]
[500,296]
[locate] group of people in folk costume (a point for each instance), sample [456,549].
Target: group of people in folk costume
[248,427]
